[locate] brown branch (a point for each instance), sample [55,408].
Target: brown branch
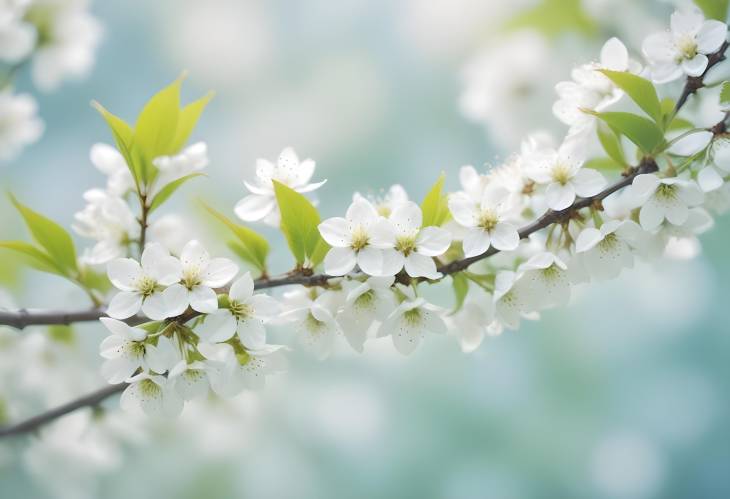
[694,83]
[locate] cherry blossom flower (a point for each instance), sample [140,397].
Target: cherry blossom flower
[230,372]
[261,203]
[245,315]
[664,198]
[192,159]
[141,286]
[544,281]
[154,395]
[366,303]
[711,177]
[607,250]
[409,321]
[19,123]
[110,162]
[201,275]
[684,49]
[313,318]
[385,204]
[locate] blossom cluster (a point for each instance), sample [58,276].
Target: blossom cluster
[207,329]
[58,39]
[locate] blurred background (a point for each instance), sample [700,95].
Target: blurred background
[624,394]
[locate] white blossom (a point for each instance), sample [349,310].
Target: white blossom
[230,372]
[192,159]
[261,203]
[366,304]
[201,275]
[245,315]
[359,239]
[684,49]
[712,176]
[485,221]
[141,286]
[153,394]
[664,198]
[110,162]
[313,317]
[409,321]
[17,37]
[607,250]
[19,123]
[387,203]
[544,281]
[470,324]
[510,301]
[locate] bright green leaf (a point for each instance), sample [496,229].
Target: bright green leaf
[250,246]
[299,223]
[156,125]
[187,120]
[640,90]
[604,164]
[554,18]
[611,143]
[714,9]
[639,130]
[123,137]
[34,257]
[725,96]
[435,205]
[678,124]
[51,236]
[168,190]
[460,285]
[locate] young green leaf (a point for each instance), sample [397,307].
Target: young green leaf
[250,246]
[435,205]
[641,91]
[714,9]
[639,130]
[725,96]
[460,285]
[168,190]
[611,143]
[554,18]
[604,164]
[34,257]
[187,120]
[156,125]
[51,236]
[299,221]
[123,138]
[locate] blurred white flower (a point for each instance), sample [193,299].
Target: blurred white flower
[664,198]
[261,203]
[17,37]
[19,123]
[154,395]
[192,159]
[606,251]
[407,324]
[111,163]
[384,205]
[684,49]
[365,303]
[313,318]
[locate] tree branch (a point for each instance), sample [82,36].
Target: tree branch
[694,83]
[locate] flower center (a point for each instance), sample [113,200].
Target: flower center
[313,325]
[240,310]
[360,239]
[552,272]
[487,220]
[191,277]
[135,349]
[561,173]
[412,317]
[609,242]
[686,46]
[147,286]
[405,244]
[666,192]
[149,388]
[383,210]
[365,300]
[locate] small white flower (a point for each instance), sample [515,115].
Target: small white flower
[563,173]
[683,49]
[590,89]
[230,373]
[314,320]
[246,315]
[385,205]
[201,275]
[365,303]
[108,220]
[472,182]
[19,123]
[510,301]
[17,38]
[142,285]
[410,320]
[712,176]
[154,395]
[69,36]
[359,239]
[124,351]
[261,203]
[666,198]
[189,380]
[414,246]
[111,163]
[470,324]
[544,282]
[192,159]
[485,221]
[605,252]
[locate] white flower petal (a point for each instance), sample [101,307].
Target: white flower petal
[218,272]
[588,182]
[251,332]
[361,212]
[476,242]
[588,239]
[217,327]
[339,261]
[463,209]
[176,300]
[370,261]
[418,265]
[559,197]
[505,237]
[433,241]
[711,36]
[336,232]
[264,306]
[124,330]
[203,299]
[124,273]
[254,207]
[709,179]
[124,305]
[695,66]
[194,254]
[154,307]
[242,288]
[406,218]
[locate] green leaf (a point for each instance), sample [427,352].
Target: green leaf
[156,125]
[435,206]
[604,164]
[168,190]
[679,124]
[641,91]
[123,138]
[554,18]
[725,96]
[51,236]
[611,143]
[187,120]
[714,9]
[460,285]
[250,246]
[34,257]
[299,221]
[639,130]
